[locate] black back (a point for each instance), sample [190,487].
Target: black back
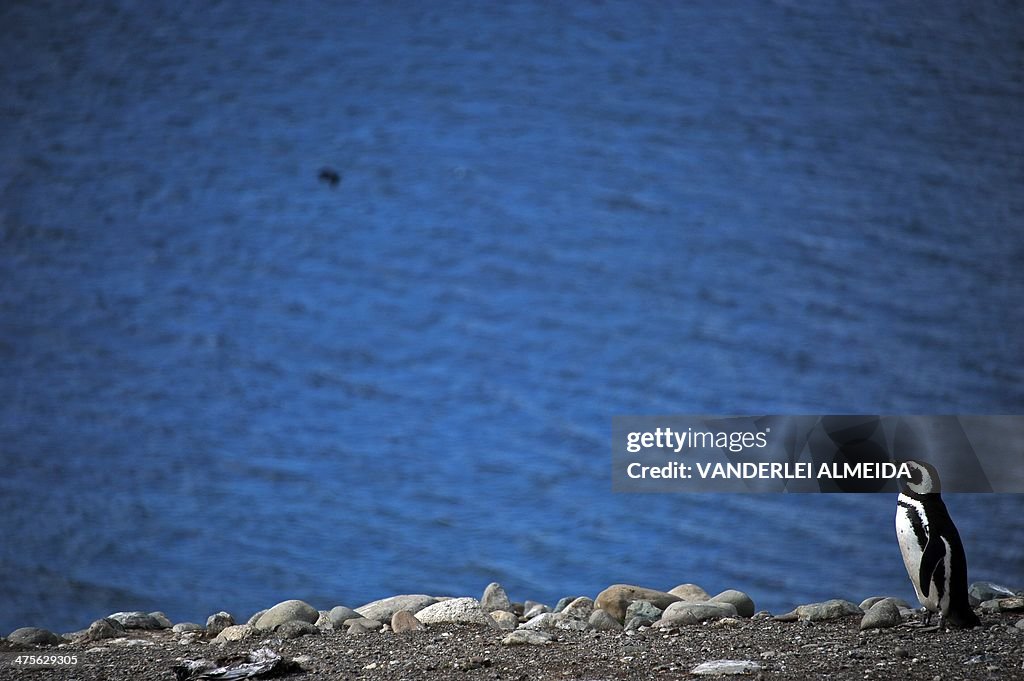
[940,524]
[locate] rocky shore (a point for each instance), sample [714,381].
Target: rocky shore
[625,632]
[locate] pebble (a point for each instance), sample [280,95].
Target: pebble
[990,606]
[979,592]
[866,604]
[1012,604]
[726,667]
[571,623]
[579,608]
[190,637]
[495,598]
[882,615]
[685,612]
[522,636]
[161,619]
[827,610]
[235,632]
[218,622]
[545,620]
[504,619]
[404,622]
[643,609]
[295,629]
[385,608]
[286,611]
[455,611]
[909,613]
[562,602]
[726,623]
[361,625]
[471,663]
[602,621]
[634,623]
[690,592]
[184,627]
[532,609]
[34,636]
[743,603]
[339,614]
[132,642]
[324,621]
[615,599]
[137,620]
[103,629]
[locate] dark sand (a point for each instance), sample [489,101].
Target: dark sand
[801,650]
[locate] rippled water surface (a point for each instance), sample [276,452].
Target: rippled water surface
[225,383]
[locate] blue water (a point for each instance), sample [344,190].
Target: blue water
[224,383]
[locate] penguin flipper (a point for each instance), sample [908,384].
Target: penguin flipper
[930,559]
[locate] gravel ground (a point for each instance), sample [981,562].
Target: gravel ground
[802,650]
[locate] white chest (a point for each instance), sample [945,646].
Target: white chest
[912,535]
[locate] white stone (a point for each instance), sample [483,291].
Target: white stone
[235,632]
[455,611]
[521,637]
[384,609]
[726,667]
[545,620]
[504,619]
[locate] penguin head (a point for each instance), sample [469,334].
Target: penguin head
[924,479]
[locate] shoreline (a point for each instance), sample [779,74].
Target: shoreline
[626,632]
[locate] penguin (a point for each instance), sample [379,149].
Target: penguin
[932,551]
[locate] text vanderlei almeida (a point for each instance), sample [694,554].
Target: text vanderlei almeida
[678,441]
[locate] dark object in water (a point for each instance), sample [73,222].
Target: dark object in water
[262,663]
[330,176]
